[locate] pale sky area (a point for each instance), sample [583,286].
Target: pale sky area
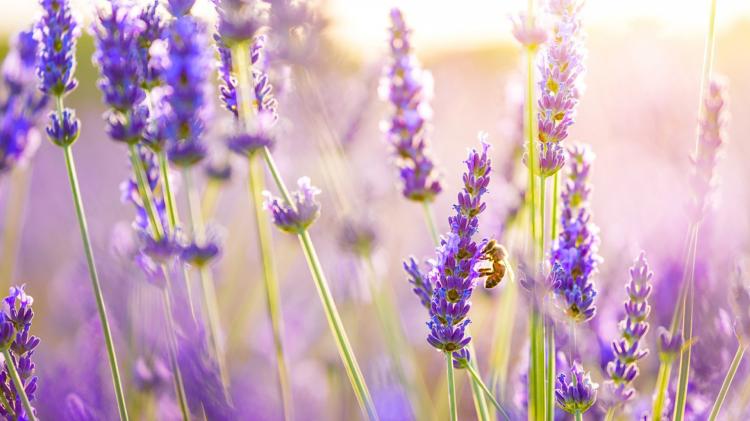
[360,24]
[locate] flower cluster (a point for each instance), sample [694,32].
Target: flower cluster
[152,31]
[57,33]
[453,275]
[578,395]
[15,323]
[240,20]
[710,140]
[186,75]
[22,106]
[118,55]
[628,349]
[298,216]
[576,250]
[409,89]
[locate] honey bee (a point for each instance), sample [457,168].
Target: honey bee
[495,254]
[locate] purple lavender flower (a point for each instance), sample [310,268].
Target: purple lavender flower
[528,32]
[240,20]
[578,395]
[57,33]
[741,297]
[669,345]
[18,318]
[64,128]
[628,349]
[576,248]
[408,88]
[421,285]
[202,254]
[152,31]
[711,138]
[453,276]
[189,64]
[118,57]
[297,217]
[21,109]
[180,8]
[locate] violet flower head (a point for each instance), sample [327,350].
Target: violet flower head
[669,345]
[57,32]
[453,275]
[240,20]
[22,105]
[152,31]
[420,282]
[528,32]
[180,8]
[578,395]
[710,140]
[17,317]
[629,349]
[576,249]
[201,253]
[294,218]
[409,89]
[118,57]
[186,75]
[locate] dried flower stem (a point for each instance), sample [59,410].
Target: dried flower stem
[741,348]
[264,237]
[14,213]
[19,385]
[451,387]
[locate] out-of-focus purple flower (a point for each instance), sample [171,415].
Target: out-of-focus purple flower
[117,55]
[151,374]
[219,171]
[453,275]
[669,345]
[179,8]
[628,349]
[358,236]
[741,297]
[77,410]
[295,29]
[528,32]
[152,31]
[576,249]
[409,89]
[296,217]
[420,282]
[578,395]
[57,34]
[186,75]
[202,253]
[17,317]
[23,104]
[240,20]
[711,138]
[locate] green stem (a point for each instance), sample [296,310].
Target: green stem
[536,366]
[610,414]
[662,382]
[478,380]
[579,416]
[20,389]
[172,348]
[727,382]
[542,198]
[429,217]
[451,387]
[554,216]
[94,276]
[337,328]
[480,403]
[530,133]
[18,192]
[687,331]
[264,237]
[147,197]
[550,378]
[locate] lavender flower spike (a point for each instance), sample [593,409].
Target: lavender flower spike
[578,395]
[711,138]
[576,250]
[628,349]
[453,275]
[409,89]
[297,217]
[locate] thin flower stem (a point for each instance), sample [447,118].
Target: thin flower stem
[555,197]
[147,198]
[265,246]
[210,198]
[477,395]
[478,380]
[542,216]
[610,414]
[662,382]
[172,349]
[536,367]
[727,381]
[687,329]
[550,378]
[337,328]
[19,188]
[530,133]
[579,416]
[451,387]
[94,276]
[20,389]
[429,217]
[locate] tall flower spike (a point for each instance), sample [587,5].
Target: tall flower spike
[118,56]
[57,32]
[628,349]
[711,138]
[453,275]
[297,217]
[240,20]
[23,104]
[576,249]
[578,395]
[409,88]
[189,64]
[152,31]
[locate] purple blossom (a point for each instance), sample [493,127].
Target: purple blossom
[669,345]
[64,128]
[453,275]
[420,282]
[578,395]
[628,349]
[57,34]
[528,32]
[408,88]
[240,20]
[576,250]
[180,8]
[294,218]
[152,31]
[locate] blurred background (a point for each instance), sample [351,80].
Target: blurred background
[638,112]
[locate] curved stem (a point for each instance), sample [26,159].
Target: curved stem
[265,246]
[451,387]
[662,382]
[337,328]
[19,188]
[94,276]
[172,348]
[429,217]
[478,380]
[727,382]
[20,389]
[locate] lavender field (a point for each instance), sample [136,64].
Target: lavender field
[344,210]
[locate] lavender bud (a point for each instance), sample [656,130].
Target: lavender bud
[63,133]
[17,317]
[240,20]
[421,285]
[669,345]
[528,32]
[57,33]
[578,395]
[297,217]
[152,31]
